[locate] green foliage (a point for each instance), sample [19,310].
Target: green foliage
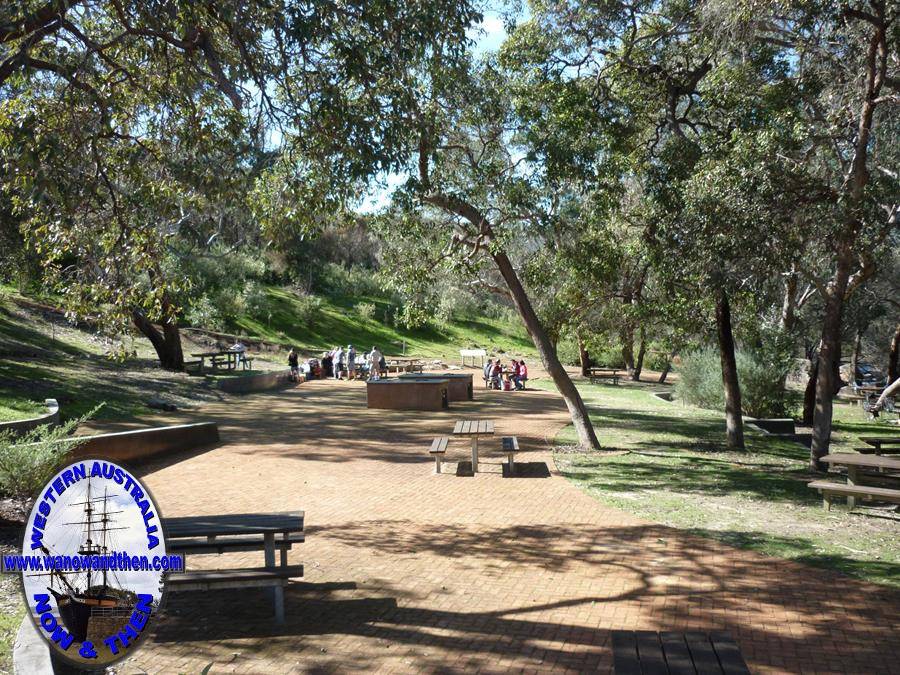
[27,462]
[761,374]
[366,310]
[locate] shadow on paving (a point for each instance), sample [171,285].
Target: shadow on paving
[680,582]
[275,423]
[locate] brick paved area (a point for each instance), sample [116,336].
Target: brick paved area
[411,571]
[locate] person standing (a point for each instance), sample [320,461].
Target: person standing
[374,361]
[351,363]
[294,363]
[338,362]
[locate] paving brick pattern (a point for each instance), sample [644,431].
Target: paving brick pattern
[411,571]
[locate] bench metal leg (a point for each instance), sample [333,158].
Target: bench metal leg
[437,463]
[826,501]
[474,454]
[269,542]
[512,463]
[279,604]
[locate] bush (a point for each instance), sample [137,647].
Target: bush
[307,309]
[27,462]
[255,300]
[203,313]
[366,310]
[761,380]
[567,352]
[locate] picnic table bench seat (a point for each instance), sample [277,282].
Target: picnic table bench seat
[438,450]
[220,545]
[877,444]
[252,577]
[598,375]
[668,653]
[829,489]
[510,445]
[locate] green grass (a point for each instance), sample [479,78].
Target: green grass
[338,323]
[672,467]
[9,626]
[13,408]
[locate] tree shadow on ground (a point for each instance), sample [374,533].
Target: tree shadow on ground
[669,580]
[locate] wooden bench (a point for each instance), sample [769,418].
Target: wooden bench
[247,364]
[438,450]
[599,375]
[829,489]
[876,444]
[510,447]
[256,577]
[639,652]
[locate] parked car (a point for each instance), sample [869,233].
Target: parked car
[868,375]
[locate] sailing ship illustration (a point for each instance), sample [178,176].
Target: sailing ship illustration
[81,595]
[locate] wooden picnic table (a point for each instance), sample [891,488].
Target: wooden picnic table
[878,441]
[219,528]
[232,358]
[237,532]
[597,373]
[854,462]
[474,428]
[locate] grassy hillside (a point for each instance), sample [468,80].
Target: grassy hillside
[287,318]
[41,356]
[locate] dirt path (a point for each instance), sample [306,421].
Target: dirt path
[407,570]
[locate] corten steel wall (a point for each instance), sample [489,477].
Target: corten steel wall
[134,446]
[404,394]
[250,383]
[23,426]
[460,384]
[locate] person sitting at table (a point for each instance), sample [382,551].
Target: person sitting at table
[512,372]
[241,350]
[496,372]
[521,376]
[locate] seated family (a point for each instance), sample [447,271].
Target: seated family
[496,376]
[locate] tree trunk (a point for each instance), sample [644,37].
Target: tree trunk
[166,343]
[854,360]
[828,377]
[587,438]
[733,421]
[583,357]
[809,395]
[665,371]
[626,336]
[639,363]
[789,302]
[893,373]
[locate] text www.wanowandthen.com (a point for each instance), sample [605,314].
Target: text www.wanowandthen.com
[116,561]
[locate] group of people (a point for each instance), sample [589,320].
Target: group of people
[334,363]
[507,378]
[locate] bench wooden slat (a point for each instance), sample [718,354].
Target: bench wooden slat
[439,445]
[625,655]
[702,653]
[678,657]
[231,544]
[887,494]
[650,653]
[510,443]
[851,459]
[233,578]
[729,655]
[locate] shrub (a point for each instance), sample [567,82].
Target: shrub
[203,313]
[567,352]
[255,300]
[760,374]
[27,462]
[366,310]
[307,308]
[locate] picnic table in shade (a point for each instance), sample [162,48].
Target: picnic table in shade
[231,358]
[229,533]
[854,488]
[878,443]
[474,428]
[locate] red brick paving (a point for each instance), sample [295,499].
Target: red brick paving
[411,571]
